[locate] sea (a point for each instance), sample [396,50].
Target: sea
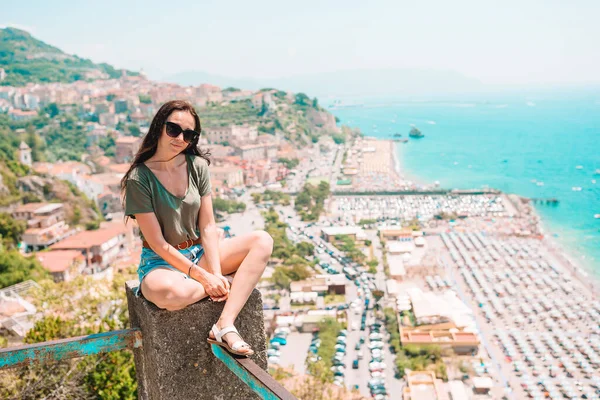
[543,144]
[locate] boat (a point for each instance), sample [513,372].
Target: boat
[540,183]
[576,188]
[579,167]
[597,216]
[597,172]
[397,135]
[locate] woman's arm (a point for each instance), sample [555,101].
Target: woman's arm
[209,234]
[152,233]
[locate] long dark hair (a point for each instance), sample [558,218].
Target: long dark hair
[150,142]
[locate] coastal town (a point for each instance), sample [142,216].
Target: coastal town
[377,288]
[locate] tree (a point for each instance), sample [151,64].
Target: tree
[15,268]
[305,249]
[52,110]
[134,130]
[11,229]
[145,99]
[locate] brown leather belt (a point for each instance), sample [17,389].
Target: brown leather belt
[181,246]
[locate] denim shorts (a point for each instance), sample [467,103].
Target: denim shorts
[149,261]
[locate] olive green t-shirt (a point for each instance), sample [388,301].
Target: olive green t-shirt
[178,217]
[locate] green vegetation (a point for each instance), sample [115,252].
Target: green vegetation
[290,163]
[339,138]
[295,269]
[108,145]
[10,230]
[26,59]
[228,206]
[145,99]
[15,268]
[348,246]
[109,376]
[367,221]
[372,264]
[295,266]
[329,329]
[277,198]
[67,141]
[332,298]
[415,358]
[310,201]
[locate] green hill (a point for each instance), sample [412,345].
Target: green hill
[27,59]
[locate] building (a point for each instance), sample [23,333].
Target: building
[310,323]
[40,214]
[457,390]
[397,270]
[64,265]
[396,233]
[318,285]
[108,119]
[421,385]
[101,248]
[25,154]
[482,384]
[126,148]
[399,247]
[254,152]
[444,335]
[45,224]
[336,284]
[230,176]
[20,115]
[355,233]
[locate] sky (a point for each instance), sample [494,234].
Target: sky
[496,42]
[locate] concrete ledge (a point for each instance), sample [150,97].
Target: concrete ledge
[176,363]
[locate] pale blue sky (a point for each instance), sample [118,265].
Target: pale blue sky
[497,42]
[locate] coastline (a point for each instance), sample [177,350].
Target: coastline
[559,251]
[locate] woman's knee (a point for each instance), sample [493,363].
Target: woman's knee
[168,295]
[263,243]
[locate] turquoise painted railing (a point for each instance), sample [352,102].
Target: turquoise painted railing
[251,374]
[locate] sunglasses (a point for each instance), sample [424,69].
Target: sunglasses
[174,130]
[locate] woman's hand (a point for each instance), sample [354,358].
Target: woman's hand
[216,287]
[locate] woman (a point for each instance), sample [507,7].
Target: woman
[167,191]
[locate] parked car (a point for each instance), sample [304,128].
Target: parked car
[355,364]
[282,341]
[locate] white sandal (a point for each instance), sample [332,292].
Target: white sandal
[235,347]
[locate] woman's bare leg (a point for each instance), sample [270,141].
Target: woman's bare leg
[170,290]
[247,256]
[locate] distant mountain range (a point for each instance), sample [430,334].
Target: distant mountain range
[26,59]
[346,83]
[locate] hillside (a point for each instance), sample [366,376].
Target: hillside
[26,59]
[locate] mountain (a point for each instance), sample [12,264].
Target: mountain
[26,59]
[348,82]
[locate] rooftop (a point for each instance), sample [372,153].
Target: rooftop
[87,239]
[59,260]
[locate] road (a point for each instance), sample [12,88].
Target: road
[294,353]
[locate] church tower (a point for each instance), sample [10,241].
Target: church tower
[25,154]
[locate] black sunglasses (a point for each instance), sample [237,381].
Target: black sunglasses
[174,130]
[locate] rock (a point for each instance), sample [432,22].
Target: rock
[33,184]
[175,361]
[322,119]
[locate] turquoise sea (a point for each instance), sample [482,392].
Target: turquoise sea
[502,141]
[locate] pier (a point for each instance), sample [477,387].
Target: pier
[551,201]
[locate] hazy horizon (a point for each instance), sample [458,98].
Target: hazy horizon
[495,43]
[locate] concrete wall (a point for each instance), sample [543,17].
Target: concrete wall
[175,361]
